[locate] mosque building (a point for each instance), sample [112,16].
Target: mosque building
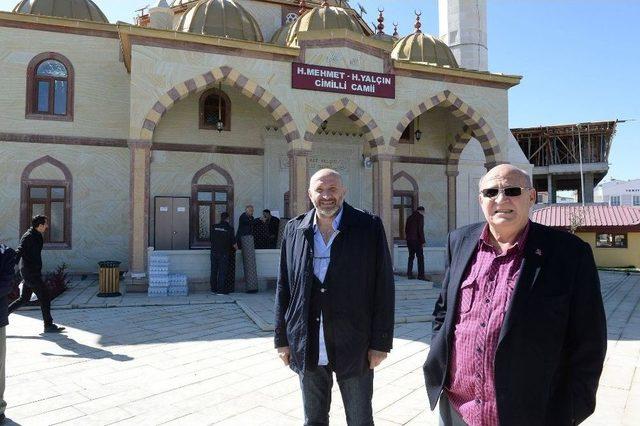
[135,137]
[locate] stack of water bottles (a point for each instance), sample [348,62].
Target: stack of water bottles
[178,285]
[158,275]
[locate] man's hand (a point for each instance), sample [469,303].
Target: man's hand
[283,353]
[375,358]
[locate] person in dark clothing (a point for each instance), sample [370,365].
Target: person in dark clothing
[414,233]
[30,266]
[266,231]
[273,227]
[334,301]
[7,266]
[261,234]
[246,224]
[222,247]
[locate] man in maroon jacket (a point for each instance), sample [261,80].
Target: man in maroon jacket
[414,233]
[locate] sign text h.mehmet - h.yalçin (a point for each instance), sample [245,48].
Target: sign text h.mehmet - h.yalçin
[342,80]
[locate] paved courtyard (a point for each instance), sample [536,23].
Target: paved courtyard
[209,359]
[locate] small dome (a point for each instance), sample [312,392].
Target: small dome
[72,9]
[181,2]
[420,47]
[222,18]
[280,36]
[323,17]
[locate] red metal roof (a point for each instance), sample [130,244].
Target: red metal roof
[587,216]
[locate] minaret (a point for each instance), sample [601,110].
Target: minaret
[463,27]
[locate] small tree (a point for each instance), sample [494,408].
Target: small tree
[576,219]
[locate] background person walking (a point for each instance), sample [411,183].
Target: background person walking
[30,254]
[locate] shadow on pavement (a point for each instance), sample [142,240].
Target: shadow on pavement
[80,350]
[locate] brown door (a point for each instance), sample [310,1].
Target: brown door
[180,224]
[163,223]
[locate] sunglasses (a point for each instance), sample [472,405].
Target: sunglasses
[512,191]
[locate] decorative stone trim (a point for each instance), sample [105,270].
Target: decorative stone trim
[247,87]
[357,114]
[476,125]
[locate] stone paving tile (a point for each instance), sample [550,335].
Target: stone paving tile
[208,363]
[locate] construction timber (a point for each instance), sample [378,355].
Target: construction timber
[556,156]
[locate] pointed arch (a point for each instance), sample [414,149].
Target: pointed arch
[408,177]
[214,206]
[247,87]
[477,126]
[63,195]
[356,114]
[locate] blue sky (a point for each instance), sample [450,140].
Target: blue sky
[580,59]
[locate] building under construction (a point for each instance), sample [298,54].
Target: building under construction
[556,156]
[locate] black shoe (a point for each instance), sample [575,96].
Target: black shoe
[411,277]
[422,278]
[52,328]
[252,291]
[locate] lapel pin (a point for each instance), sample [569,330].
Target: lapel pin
[538,252]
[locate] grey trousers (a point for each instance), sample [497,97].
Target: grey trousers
[3,356]
[448,415]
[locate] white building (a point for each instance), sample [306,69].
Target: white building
[619,192]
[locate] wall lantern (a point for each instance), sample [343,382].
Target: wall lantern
[418,133]
[220,123]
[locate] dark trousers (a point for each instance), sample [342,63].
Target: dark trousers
[356,396]
[219,267]
[415,250]
[34,284]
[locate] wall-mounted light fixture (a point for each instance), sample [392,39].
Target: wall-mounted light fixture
[418,133]
[220,123]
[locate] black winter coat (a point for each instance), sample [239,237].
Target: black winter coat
[554,337]
[7,266]
[29,252]
[360,297]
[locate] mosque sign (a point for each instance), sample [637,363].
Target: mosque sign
[341,80]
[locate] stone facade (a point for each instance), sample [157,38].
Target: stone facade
[135,132]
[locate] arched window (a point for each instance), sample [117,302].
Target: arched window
[50,88]
[215,106]
[46,190]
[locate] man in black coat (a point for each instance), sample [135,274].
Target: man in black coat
[414,234]
[7,266]
[273,227]
[222,247]
[519,331]
[334,301]
[29,252]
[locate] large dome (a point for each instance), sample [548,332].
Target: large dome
[222,18]
[323,17]
[420,47]
[73,9]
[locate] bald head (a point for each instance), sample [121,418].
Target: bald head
[506,172]
[324,173]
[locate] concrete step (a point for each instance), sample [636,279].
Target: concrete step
[406,285]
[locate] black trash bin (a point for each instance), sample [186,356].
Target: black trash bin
[109,278]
